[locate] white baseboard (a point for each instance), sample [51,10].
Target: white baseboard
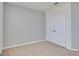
[23,44]
[55,43]
[37,42]
[68,48]
[71,49]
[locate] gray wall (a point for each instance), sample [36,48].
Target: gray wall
[1,26]
[22,25]
[65,11]
[75,25]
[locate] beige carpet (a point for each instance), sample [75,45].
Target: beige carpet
[43,48]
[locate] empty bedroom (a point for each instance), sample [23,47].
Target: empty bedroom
[39,28]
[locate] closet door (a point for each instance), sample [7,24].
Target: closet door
[56,29]
[1,26]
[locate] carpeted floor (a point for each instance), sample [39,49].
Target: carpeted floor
[43,48]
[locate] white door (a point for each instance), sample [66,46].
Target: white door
[1,26]
[56,29]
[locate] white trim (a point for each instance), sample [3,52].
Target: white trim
[68,48]
[37,42]
[23,44]
[56,44]
[72,49]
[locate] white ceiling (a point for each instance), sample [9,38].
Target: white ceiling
[39,6]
